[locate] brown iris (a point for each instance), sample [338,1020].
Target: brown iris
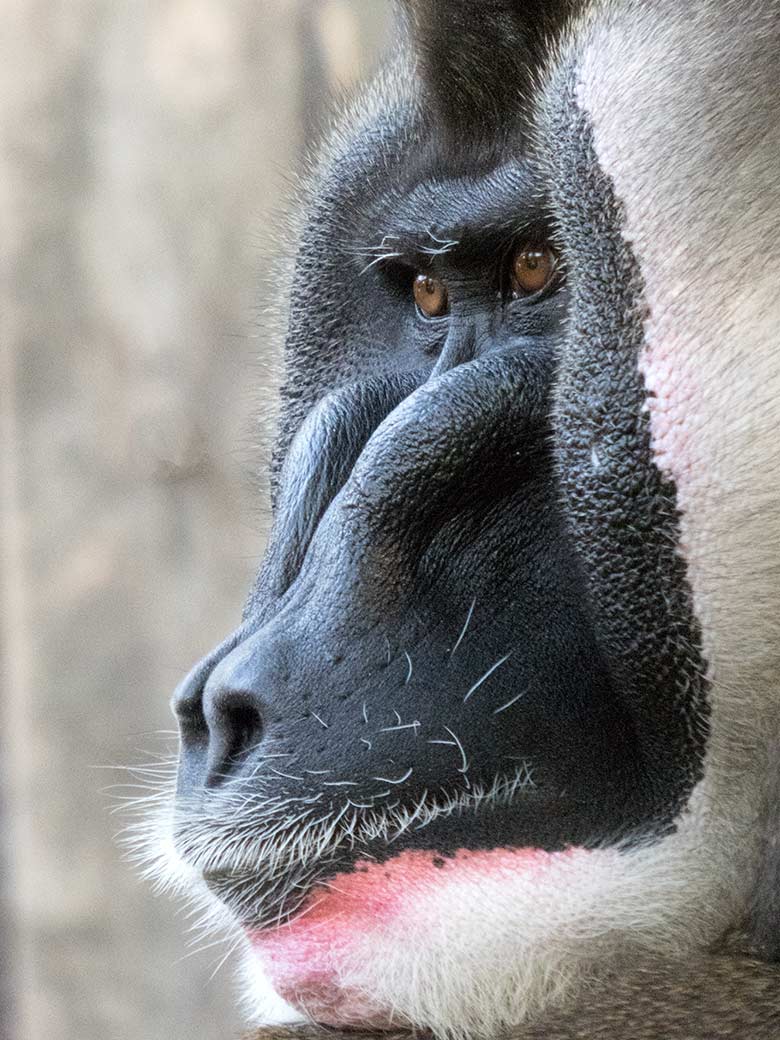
[533,268]
[430,295]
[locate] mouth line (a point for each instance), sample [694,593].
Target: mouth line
[263,863]
[271,889]
[273,830]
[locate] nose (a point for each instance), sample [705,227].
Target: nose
[220,708]
[466,337]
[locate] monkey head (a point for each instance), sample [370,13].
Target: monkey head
[503,704]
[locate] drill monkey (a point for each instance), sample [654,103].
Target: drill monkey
[495,748]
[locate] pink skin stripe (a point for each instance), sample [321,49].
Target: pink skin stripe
[670,372]
[304,959]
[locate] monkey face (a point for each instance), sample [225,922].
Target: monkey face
[500,704]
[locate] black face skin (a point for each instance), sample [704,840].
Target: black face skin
[443,606]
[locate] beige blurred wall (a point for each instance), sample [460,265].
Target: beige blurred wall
[146,147]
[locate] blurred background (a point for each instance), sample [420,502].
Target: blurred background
[147,153]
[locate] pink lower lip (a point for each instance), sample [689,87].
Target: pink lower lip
[305,958]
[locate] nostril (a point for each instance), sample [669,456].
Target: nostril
[187,702]
[235,724]
[243,725]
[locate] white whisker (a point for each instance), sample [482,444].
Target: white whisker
[486,676]
[509,704]
[394,729]
[401,780]
[465,762]
[465,627]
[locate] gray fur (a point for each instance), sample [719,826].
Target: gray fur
[723,996]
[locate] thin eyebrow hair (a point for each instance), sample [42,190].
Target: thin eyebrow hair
[408,246]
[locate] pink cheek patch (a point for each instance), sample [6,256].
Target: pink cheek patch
[671,373]
[305,959]
[673,397]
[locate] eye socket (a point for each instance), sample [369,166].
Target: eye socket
[431,296]
[533,268]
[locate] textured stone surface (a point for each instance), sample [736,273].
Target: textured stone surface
[145,151]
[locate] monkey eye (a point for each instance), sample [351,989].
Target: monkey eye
[533,268]
[431,296]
